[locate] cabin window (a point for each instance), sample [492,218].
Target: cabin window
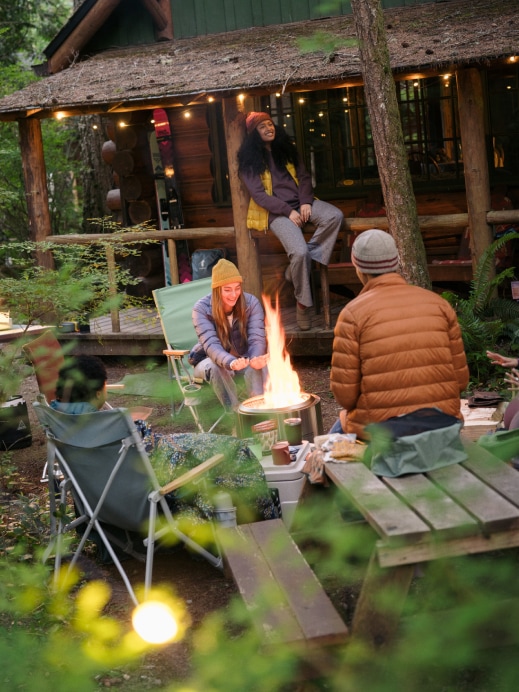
[503,105]
[221,191]
[332,130]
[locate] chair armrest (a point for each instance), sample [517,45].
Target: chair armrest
[192,474]
[175,353]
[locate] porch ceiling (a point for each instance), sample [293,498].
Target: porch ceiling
[439,35]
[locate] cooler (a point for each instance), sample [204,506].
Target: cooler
[289,481]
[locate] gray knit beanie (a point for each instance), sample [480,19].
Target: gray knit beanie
[374,252]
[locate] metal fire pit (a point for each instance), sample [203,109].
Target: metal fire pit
[252,411]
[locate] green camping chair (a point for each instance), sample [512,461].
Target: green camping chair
[99,460]
[174,306]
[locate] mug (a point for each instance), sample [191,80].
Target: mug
[280,454]
[266,434]
[293,432]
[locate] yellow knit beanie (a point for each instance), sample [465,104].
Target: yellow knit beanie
[225,272]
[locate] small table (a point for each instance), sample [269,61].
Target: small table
[459,510]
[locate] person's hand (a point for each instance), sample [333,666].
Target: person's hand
[295,217]
[306,212]
[504,361]
[512,377]
[239,363]
[258,362]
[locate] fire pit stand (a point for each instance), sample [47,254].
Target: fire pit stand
[252,411]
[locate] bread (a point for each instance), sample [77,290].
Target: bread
[342,449]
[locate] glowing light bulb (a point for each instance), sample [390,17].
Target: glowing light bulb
[154,622]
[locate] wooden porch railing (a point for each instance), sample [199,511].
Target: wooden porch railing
[352,224]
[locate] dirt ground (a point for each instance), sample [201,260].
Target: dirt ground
[203,588]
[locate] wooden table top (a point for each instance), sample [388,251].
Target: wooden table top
[457,510]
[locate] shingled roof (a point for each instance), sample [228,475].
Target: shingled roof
[438,35]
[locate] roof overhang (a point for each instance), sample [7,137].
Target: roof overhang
[422,39]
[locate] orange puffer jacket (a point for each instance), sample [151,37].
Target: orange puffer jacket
[397,348]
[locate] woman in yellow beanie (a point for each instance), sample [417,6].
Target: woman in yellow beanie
[282,199]
[230,326]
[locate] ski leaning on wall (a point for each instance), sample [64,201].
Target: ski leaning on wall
[168,200]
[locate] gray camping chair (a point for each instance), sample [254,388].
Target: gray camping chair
[174,306]
[100,461]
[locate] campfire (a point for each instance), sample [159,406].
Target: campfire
[283,396]
[282,388]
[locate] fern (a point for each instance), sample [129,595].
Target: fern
[485,317]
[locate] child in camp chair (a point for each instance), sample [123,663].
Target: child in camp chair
[81,388]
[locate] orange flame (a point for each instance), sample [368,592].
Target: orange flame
[282,388]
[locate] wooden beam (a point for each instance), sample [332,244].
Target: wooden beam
[157,13]
[471,104]
[78,38]
[139,236]
[246,246]
[35,178]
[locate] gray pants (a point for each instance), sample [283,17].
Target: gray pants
[223,384]
[327,221]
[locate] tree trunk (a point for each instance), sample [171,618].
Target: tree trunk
[96,178]
[475,162]
[36,193]
[388,140]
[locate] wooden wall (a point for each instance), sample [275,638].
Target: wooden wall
[129,157]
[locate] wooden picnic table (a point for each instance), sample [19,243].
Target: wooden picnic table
[458,510]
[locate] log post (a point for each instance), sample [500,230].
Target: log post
[35,178]
[112,288]
[475,165]
[246,248]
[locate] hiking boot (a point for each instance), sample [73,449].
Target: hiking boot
[304,321]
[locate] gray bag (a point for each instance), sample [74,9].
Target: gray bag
[415,442]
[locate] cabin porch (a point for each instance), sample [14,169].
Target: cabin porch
[141,334]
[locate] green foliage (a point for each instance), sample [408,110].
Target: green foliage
[78,287]
[485,317]
[62,165]
[52,640]
[61,639]
[27,25]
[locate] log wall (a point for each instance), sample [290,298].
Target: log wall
[194,160]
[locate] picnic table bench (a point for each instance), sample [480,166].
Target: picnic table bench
[458,510]
[287,603]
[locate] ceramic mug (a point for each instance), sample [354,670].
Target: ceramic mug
[266,434]
[280,453]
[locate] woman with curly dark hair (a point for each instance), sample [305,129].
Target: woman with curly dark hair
[282,199]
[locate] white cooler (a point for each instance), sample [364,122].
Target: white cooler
[289,481]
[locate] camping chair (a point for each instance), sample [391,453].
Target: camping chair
[108,474]
[47,357]
[174,306]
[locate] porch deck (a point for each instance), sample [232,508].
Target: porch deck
[141,334]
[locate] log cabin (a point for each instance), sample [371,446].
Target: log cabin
[456,70]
